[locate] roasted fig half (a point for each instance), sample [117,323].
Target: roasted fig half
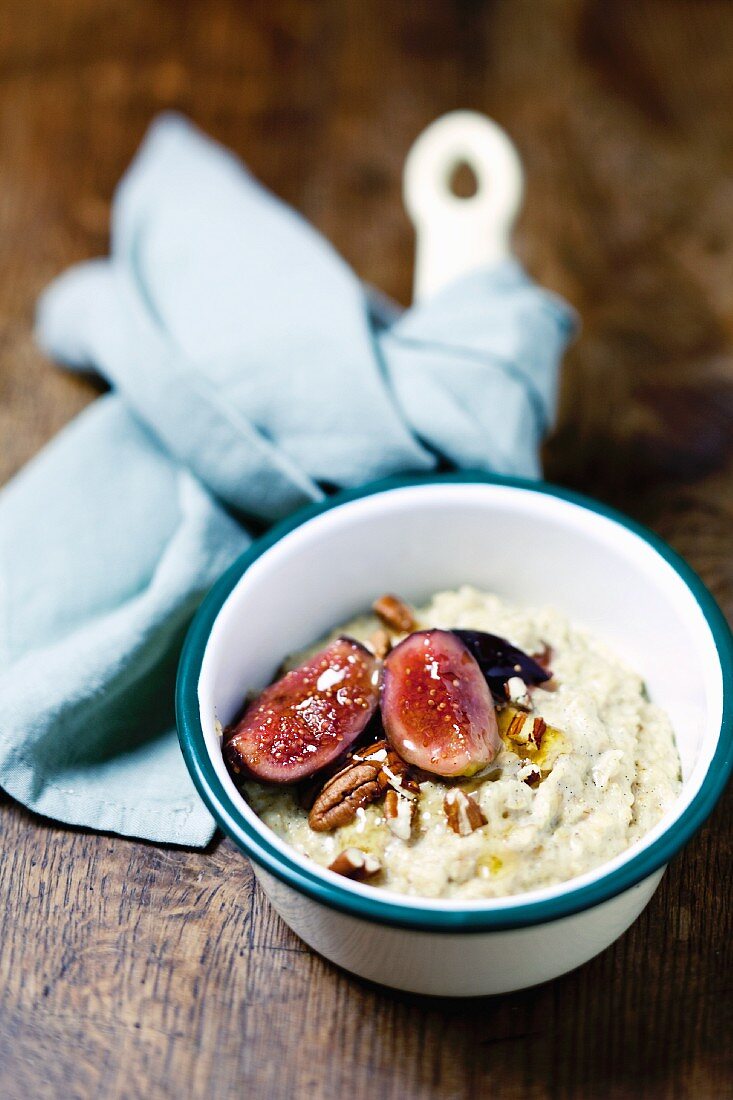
[437,709]
[308,718]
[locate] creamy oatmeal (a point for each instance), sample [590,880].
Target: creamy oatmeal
[599,774]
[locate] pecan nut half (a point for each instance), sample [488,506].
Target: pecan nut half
[463,812]
[354,864]
[395,614]
[354,786]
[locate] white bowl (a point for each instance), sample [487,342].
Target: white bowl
[532,544]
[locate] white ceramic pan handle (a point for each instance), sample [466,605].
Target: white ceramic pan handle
[456,235]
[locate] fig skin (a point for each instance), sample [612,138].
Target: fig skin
[499,661]
[437,709]
[306,719]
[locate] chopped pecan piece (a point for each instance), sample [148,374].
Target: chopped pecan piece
[399,813]
[463,812]
[375,753]
[395,614]
[517,692]
[521,727]
[380,643]
[530,774]
[398,774]
[354,786]
[544,656]
[394,771]
[544,659]
[354,864]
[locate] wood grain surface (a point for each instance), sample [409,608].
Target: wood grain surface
[128,970]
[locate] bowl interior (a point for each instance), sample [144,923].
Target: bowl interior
[530,547]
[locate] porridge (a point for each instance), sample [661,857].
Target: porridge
[467,749]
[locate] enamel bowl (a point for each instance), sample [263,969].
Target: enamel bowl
[533,544]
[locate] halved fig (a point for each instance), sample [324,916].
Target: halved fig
[308,718]
[437,709]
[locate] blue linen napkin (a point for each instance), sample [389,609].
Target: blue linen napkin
[251,372]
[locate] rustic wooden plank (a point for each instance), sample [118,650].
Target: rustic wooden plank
[128,969]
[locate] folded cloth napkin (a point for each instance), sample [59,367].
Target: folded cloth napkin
[251,373]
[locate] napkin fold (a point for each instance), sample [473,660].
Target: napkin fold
[251,372]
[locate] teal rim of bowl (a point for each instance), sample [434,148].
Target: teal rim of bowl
[380,908]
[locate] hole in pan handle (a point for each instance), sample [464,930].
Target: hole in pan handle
[455,235]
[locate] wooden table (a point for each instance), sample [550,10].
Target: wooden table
[128,970]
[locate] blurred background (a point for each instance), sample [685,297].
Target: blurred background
[622,111]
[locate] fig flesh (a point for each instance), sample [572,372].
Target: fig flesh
[437,709]
[308,718]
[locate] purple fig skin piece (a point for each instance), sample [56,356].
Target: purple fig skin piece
[499,660]
[308,718]
[437,709]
